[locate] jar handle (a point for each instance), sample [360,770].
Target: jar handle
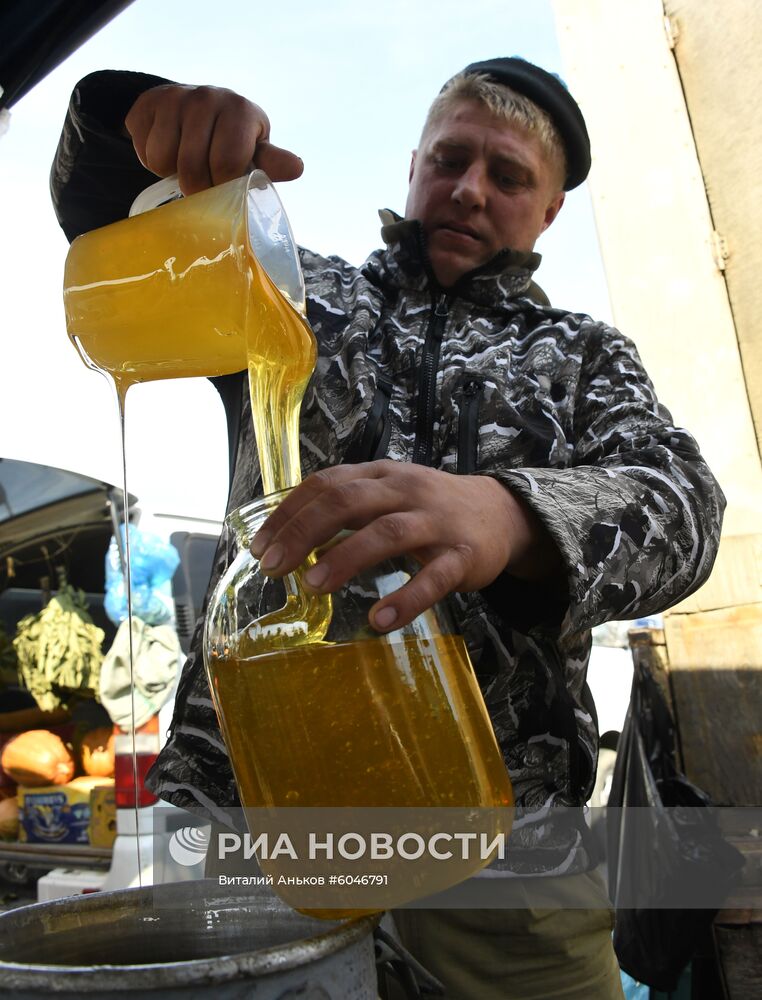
[304,618]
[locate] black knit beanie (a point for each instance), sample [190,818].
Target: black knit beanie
[549,93]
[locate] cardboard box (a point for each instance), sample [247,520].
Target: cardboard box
[101,830]
[58,814]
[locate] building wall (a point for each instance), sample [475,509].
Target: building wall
[656,227]
[717,51]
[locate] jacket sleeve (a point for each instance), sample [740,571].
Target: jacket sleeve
[96,175]
[637,513]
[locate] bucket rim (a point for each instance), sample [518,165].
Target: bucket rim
[197,972]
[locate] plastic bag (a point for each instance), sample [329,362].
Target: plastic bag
[152,563]
[666,854]
[133,692]
[633,990]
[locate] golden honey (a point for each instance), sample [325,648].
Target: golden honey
[361,726]
[369,723]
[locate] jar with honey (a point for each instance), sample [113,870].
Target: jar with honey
[319,712]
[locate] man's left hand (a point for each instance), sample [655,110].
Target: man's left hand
[464,531]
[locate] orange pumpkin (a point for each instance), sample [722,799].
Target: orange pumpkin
[36,758]
[97,752]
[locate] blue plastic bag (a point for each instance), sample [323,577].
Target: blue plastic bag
[634,990]
[152,563]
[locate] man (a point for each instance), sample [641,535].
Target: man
[517,451]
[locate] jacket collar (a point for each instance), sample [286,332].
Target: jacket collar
[405,263]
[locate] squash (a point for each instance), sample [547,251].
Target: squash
[97,752]
[9,819]
[36,758]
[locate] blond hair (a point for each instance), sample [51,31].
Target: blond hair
[504,103]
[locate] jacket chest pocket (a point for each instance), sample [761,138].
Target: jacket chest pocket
[492,422]
[372,443]
[469,393]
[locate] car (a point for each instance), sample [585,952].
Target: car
[58,524]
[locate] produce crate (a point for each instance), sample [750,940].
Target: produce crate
[58,814]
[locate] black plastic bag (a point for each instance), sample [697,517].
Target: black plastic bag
[669,866]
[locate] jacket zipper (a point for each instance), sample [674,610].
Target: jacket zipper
[427,382]
[471,389]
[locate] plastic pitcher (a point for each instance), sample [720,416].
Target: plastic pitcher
[205,285]
[167,293]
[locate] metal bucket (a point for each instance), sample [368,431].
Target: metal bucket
[191,937]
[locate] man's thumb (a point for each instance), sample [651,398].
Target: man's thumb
[279,164]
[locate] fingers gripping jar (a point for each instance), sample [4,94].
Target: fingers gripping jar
[329,722]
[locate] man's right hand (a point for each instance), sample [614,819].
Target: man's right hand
[206,135]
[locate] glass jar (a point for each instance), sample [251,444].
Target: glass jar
[320,712]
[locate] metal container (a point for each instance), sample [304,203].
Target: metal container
[194,937]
